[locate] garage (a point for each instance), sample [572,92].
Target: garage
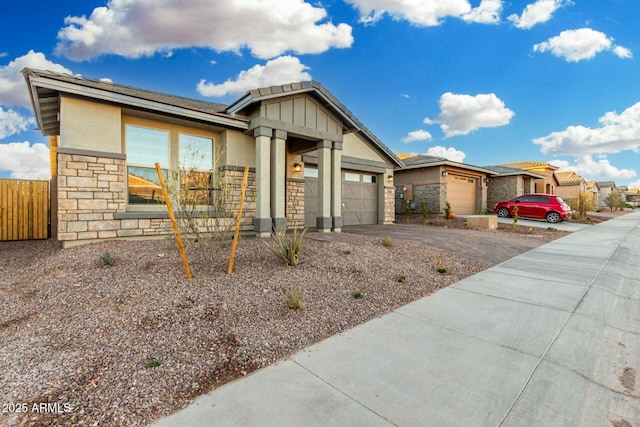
[462,194]
[359,197]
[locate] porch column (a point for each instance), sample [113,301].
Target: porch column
[262,220]
[323,218]
[278,165]
[336,186]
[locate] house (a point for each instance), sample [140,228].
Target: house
[570,185]
[311,160]
[436,181]
[547,184]
[594,189]
[506,183]
[606,188]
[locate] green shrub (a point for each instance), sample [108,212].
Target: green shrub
[401,278]
[153,363]
[447,211]
[288,246]
[107,259]
[424,210]
[387,241]
[357,294]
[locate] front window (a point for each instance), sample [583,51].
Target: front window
[145,148]
[196,170]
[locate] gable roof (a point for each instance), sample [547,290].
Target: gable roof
[568,178]
[330,101]
[425,160]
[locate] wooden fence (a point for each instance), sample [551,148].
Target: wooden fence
[24,209]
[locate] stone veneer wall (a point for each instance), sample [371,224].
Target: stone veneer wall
[389,205]
[91,189]
[92,200]
[435,195]
[504,188]
[295,202]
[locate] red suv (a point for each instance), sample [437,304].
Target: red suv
[541,206]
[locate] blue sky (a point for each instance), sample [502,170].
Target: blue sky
[483,82]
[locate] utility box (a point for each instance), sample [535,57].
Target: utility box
[486,222]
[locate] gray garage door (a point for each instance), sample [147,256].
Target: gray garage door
[359,198]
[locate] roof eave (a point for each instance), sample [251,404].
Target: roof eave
[34,81]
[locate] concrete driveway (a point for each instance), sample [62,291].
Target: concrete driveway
[547,338]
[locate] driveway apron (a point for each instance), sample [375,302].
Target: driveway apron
[547,338]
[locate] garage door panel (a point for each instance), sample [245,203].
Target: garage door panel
[462,194]
[359,201]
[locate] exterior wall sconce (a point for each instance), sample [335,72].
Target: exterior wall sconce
[445,173]
[389,178]
[297,167]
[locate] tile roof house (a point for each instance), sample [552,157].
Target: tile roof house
[547,184]
[606,188]
[570,184]
[436,180]
[311,160]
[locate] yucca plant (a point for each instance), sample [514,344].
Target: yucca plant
[288,246]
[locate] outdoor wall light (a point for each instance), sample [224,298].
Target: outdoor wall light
[445,173]
[389,178]
[297,167]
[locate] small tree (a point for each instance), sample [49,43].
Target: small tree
[582,204]
[447,210]
[615,200]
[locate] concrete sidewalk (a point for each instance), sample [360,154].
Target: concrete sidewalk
[541,223]
[548,338]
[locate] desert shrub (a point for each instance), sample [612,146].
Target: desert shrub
[387,241]
[107,259]
[294,299]
[288,246]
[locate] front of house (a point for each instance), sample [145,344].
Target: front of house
[311,161]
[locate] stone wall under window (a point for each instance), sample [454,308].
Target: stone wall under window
[92,200]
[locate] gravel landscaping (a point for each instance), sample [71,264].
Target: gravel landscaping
[128,343]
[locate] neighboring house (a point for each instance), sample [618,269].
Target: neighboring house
[311,161]
[507,183]
[606,188]
[633,197]
[570,185]
[436,180]
[547,184]
[594,189]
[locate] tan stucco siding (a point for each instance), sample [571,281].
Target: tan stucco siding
[238,148]
[418,176]
[90,126]
[354,146]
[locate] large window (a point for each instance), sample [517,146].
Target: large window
[190,157]
[196,170]
[145,148]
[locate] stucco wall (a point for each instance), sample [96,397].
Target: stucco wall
[354,146]
[90,126]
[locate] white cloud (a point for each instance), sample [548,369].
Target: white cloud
[25,161]
[417,135]
[12,122]
[587,167]
[448,153]
[488,12]
[580,44]
[13,89]
[619,132]
[427,13]
[536,13]
[461,114]
[268,28]
[635,184]
[285,69]
[622,52]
